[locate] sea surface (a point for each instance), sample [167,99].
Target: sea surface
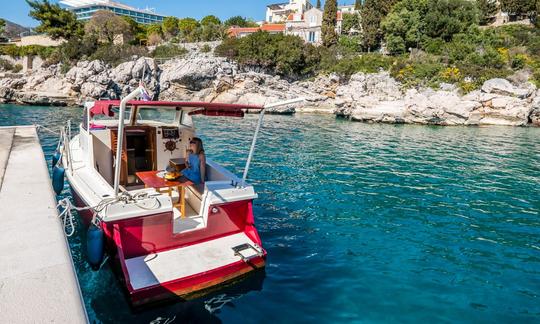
[363,223]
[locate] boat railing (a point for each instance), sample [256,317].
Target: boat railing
[66,131]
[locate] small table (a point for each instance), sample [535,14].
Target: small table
[162,185]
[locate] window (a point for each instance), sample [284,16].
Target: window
[163,115]
[311,37]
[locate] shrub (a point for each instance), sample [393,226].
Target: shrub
[116,54]
[468,86]
[536,77]
[5,65]
[285,55]
[451,75]
[169,51]
[349,44]
[20,51]
[228,48]
[367,63]
[17,68]
[206,48]
[519,61]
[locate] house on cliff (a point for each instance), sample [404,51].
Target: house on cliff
[240,32]
[308,25]
[279,12]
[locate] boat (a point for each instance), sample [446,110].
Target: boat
[167,239]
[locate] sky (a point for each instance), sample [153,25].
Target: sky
[17,10]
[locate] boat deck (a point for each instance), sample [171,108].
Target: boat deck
[154,269]
[38,283]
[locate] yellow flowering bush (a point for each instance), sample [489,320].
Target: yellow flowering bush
[451,74]
[503,52]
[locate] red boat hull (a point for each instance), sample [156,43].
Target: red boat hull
[149,234]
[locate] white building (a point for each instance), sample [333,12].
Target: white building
[347,9]
[85,9]
[279,12]
[308,25]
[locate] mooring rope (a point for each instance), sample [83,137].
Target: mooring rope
[68,207]
[40,127]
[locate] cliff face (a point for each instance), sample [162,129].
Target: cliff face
[363,97]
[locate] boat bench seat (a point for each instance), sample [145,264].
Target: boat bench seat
[197,190]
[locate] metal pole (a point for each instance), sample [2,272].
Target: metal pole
[252,149]
[254,141]
[120,138]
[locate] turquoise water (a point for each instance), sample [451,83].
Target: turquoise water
[363,223]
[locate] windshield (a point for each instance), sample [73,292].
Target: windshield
[116,111]
[162,115]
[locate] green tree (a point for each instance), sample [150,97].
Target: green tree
[487,10]
[107,26]
[445,18]
[519,7]
[170,27]
[154,34]
[55,21]
[537,17]
[413,22]
[372,13]
[358,5]
[328,28]
[210,20]
[137,30]
[2,26]
[286,55]
[318,4]
[239,21]
[351,22]
[189,29]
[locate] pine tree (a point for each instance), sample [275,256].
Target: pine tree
[372,13]
[518,7]
[328,28]
[358,5]
[318,4]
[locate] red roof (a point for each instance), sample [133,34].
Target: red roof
[235,31]
[103,107]
[273,27]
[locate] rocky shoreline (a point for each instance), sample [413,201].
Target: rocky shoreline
[202,77]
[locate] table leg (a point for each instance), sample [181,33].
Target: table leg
[182,201]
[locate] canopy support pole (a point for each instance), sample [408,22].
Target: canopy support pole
[255,136]
[120,138]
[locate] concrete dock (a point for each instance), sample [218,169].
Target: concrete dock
[38,282]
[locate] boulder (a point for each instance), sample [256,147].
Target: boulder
[6,94]
[505,88]
[194,74]
[130,73]
[84,70]
[534,117]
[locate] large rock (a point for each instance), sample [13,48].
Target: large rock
[6,94]
[438,107]
[505,88]
[534,117]
[132,72]
[502,110]
[194,74]
[84,70]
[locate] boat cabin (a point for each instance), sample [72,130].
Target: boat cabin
[156,135]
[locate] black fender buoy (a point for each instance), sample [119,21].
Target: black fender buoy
[58,179]
[55,158]
[94,246]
